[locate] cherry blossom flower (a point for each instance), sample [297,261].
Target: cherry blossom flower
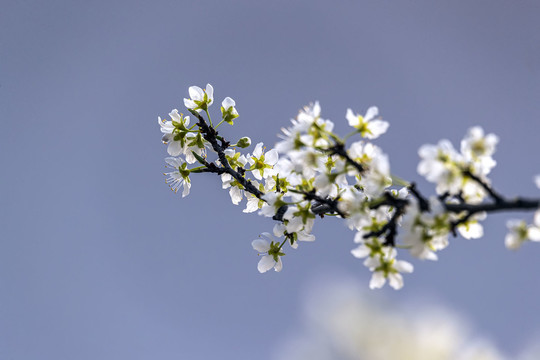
[174,132]
[519,232]
[272,253]
[228,110]
[369,126]
[478,149]
[200,99]
[262,163]
[179,177]
[386,266]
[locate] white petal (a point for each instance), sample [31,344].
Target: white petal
[359,237]
[252,205]
[270,197]
[267,210]
[377,280]
[236,195]
[372,262]
[371,113]
[351,118]
[187,187]
[196,93]
[279,229]
[377,128]
[226,179]
[471,231]
[429,255]
[258,150]
[227,103]
[533,233]
[511,241]
[279,265]
[271,157]
[303,236]
[266,263]
[175,116]
[269,236]
[257,174]
[295,225]
[190,158]
[403,266]
[242,160]
[210,93]
[190,104]
[395,280]
[537,181]
[260,245]
[174,148]
[174,162]
[513,224]
[361,251]
[537,218]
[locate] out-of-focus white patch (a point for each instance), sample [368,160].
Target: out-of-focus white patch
[342,322]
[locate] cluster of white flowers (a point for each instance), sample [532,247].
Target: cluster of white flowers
[311,172]
[449,169]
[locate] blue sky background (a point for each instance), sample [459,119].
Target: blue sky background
[99,260]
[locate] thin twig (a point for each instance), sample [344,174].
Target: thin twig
[210,134]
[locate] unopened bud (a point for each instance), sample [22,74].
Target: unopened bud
[244,142]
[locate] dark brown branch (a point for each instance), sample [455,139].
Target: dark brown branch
[494,195]
[516,204]
[339,149]
[211,135]
[389,230]
[321,205]
[422,201]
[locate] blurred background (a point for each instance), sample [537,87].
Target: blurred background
[100,260]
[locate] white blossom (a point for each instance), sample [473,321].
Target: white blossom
[228,110]
[519,232]
[271,251]
[440,164]
[369,126]
[174,132]
[478,149]
[262,163]
[385,266]
[199,99]
[179,177]
[472,229]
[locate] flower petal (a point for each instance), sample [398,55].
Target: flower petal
[260,245]
[404,266]
[395,280]
[271,157]
[377,280]
[227,103]
[279,265]
[210,93]
[196,93]
[266,263]
[351,118]
[371,113]
[361,251]
[174,148]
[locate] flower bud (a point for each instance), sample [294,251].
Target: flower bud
[244,142]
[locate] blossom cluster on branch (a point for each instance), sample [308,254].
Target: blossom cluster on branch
[312,172]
